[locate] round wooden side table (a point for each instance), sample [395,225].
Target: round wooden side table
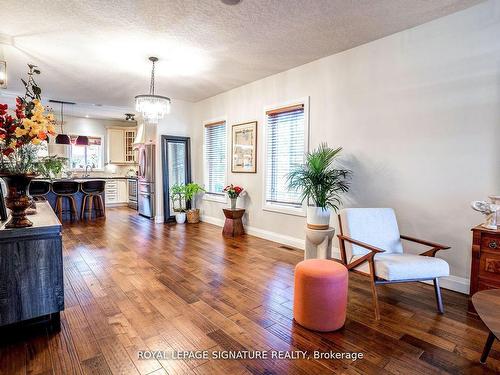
[487,305]
[233,225]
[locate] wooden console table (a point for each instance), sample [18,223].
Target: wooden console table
[31,271]
[485,266]
[233,226]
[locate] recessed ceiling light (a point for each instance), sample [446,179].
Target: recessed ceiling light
[87,116]
[231,2]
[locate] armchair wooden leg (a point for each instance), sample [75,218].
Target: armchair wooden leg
[374,290]
[375,301]
[439,299]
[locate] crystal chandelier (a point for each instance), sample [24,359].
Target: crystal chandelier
[152,107]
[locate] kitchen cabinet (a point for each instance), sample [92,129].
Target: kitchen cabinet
[116,192]
[120,145]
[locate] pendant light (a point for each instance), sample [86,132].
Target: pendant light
[61,138]
[152,107]
[82,140]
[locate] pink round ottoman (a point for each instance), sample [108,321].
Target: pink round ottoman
[320,294]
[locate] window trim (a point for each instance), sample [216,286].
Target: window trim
[101,168]
[214,197]
[274,207]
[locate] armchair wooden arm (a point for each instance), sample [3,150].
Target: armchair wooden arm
[367,257]
[430,253]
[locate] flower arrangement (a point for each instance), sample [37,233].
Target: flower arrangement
[233,191]
[21,134]
[20,139]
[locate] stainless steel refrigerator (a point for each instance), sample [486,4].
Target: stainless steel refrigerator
[146,179]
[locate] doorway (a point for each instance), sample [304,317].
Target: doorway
[176,163]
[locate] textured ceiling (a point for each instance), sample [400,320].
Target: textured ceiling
[96,51]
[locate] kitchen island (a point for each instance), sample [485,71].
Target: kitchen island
[31,270]
[52,197]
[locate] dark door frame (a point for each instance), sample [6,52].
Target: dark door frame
[165,139]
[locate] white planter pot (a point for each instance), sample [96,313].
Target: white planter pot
[180,217]
[318,218]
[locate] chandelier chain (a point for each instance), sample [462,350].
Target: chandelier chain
[152,84]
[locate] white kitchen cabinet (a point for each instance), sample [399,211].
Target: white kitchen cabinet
[119,143]
[116,192]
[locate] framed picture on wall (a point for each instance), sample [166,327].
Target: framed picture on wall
[244,148]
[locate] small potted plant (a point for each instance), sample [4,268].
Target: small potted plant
[233,193]
[178,197]
[321,183]
[192,189]
[51,166]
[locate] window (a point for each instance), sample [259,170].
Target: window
[81,156]
[286,139]
[215,157]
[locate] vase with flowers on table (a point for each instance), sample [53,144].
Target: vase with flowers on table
[233,192]
[21,135]
[233,225]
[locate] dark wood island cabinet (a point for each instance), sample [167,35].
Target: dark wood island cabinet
[31,271]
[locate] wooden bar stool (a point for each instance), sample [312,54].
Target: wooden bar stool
[68,190]
[92,199]
[39,190]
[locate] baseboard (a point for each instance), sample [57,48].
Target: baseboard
[455,283]
[120,204]
[262,233]
[159,219]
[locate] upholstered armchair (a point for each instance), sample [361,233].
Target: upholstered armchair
[370,244]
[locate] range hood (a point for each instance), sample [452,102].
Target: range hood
[145,134]
[140,135]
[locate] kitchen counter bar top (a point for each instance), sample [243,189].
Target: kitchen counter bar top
[83,179]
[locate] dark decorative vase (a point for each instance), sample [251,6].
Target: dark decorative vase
[17,199]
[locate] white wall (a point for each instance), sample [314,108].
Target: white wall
[418,115]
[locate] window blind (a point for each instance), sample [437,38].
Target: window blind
[215,157]
[285,150]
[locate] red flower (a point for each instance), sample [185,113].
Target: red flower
[8,151]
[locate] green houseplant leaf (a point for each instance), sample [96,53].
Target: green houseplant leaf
[178,197]
[318,180]
[191,190]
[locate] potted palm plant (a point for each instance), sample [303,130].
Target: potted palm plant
[192,189]
[178,197]
[320,183]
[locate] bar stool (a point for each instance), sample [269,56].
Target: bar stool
[39,190]
[68,190]
[92,199]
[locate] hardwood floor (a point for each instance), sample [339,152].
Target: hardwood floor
[131,286]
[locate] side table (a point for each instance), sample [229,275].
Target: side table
[319,243]
[487,303]
[233,225]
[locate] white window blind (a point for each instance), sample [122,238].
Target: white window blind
[285,150]
[215,157]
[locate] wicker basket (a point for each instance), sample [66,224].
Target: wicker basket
[193,216]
